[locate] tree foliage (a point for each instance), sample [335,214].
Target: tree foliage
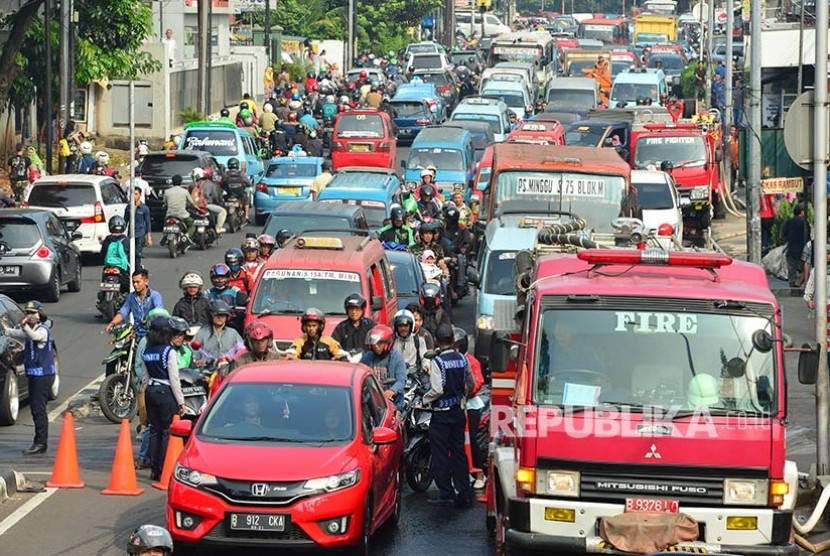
[11,61]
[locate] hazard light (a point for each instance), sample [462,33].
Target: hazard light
[665,229]
[320,243]
[669,125]
[653,257]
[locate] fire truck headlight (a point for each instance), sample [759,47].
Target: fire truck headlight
[486,322]
[562,483]
[745,492]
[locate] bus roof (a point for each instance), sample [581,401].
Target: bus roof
[511,156]
[519,38]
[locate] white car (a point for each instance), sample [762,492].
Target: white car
[433,61]
[84,203]
[659,200]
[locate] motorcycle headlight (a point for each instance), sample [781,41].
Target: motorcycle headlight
[334,482]
[411,185]
[192,477]
[486,322]
[700,192]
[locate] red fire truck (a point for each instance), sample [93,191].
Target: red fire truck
[649,408]
[695,150]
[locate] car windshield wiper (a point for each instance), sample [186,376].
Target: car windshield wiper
[714,411]
[264,439]
[602,405]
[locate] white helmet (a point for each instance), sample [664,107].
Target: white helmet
[426,172]
[190,280]
[103,157]
[344,99]
[86,147]
[197,174]
[330,99]
[268,107]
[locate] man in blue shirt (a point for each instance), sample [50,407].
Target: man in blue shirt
[140,302]
[143,235]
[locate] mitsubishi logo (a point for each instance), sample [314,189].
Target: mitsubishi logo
[652,453]
[260,489]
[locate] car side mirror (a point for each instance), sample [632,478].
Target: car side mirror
[808,364]
[377,303]
[473,277]
[384,435]
[182,428]
[77,235]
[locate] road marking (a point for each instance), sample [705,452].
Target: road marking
[24,510]
[58,411]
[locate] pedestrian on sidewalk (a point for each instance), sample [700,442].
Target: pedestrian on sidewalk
[143,233]
[796,232]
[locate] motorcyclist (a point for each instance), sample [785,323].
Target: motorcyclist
[314,145]
[219,340]
[428,239]
[329,109]
[466,214]
[351,332]
[239,276]
[178,200]
[428,206]
[102,162]
[456,234]
[225,116]
[194,305]
[222,290]
[397,231]
[235,183]
[252,261]
[115,250]
[312,344]
[205,194]
[434,314]
[667,166]
[283,236]
[150,540]
[259,339]
[309,122]
[268,119]
[267,244]
[412,348]
[87,161]
[388,364]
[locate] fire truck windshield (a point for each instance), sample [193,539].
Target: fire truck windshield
[675,360]
[595,197]
[683,151]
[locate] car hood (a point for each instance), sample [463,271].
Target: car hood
[256,461]
[653,218]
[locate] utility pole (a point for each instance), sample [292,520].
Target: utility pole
[727,116]
[65,80]
[753,216]
[820,246]
[131,194]
[161,20]
[268,29]
[47,104]
[709,67]
[208,98]
[202,41]
[350,38]
[801,50]
[449,24]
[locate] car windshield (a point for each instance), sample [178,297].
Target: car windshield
[630,92]
[438,79]
[604,33]
[291,170]
[500,273]
[291,291]
[443,159]
[672,63]
[172,166]
[581,99]
[62,195]
[411,109]
[652,38]
[405,278]
[18,233]
[492,120]
[509,98]
[427,61]
[576,66]
[682,151]
[595,197]
[280,412]
[585,136]
[669,359]
[360,125]
[296,224]
[654,196]
[421,48]
[219,142]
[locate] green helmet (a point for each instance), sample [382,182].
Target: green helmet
[157,312]
[244,113]
[703,391]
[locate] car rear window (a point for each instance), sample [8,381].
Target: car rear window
[439,79]
[410,109]
[297,223]
[219,142]
[163,165]
[421,48]
[62,195]
[292,171]
[19,233]
[360,125]
[428,61]
[405,279]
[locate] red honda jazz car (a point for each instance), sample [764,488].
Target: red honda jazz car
[291,454]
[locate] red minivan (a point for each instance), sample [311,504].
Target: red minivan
[364,137]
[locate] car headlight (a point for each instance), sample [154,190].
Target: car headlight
[700,192]
[559,483]
[745,492]
[192,477]
[486,322]
[334,482]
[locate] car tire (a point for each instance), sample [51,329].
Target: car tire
[52,294]
[9,400]
[75,284]
[363,547]
[395,518]
[259,220]
[55,389]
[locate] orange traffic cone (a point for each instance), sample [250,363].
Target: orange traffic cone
[472,469]
[175,445]
[66,473]
[122,478]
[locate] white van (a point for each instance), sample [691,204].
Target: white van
[492,24]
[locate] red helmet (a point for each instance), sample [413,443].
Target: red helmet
[380,335]
[207,173]
[292,117]
[363,74]
[351,86]
[258,331]
[313,314]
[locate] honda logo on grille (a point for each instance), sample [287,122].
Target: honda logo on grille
[260,489]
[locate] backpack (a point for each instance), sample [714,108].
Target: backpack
[116,255]
[20,170]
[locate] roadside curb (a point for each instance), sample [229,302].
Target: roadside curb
[10,482]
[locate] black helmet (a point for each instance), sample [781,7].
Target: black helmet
[667,166]
[430,296]
[451,213]
[224,112]
[431,227]
[460,339]
[354,300]
[244,106]
[178,325]
[219,307]
[283,236]
[117,224]
[147,537]
[233,164]
[427,192]
[234,257]
[396,213]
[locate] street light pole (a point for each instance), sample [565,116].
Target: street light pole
[727,116]
[268,29]
[131,194]
[47,105]
[66,11]
[709,68]
[753,216]
[202,77]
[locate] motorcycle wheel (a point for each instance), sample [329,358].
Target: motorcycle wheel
[108,309]
[202,241]
[173,247]
[230,224]
[418,472]
[118,398]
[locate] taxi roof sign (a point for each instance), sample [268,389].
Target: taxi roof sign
[319,243]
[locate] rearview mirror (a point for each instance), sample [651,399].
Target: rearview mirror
[377,303]
[762,341]
[182,428]
[403,164]
[384,435]
[808,364]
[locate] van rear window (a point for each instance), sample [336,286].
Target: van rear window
[360,125]
[219,142]
[62,195]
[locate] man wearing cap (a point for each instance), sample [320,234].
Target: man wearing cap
[138,303]
[39,363]
[450,381]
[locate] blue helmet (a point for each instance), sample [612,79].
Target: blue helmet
[295,96]
[234,258]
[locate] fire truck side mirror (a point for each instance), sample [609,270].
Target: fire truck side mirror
[808,364]
[500,352]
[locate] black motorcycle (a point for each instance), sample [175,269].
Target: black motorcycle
[194,384]
[111,293]
[236,212]
[417,455]
[204,233]
[175,236]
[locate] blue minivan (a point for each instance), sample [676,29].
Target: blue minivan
[287,179]
[224,141]
[450,150]
[374,189]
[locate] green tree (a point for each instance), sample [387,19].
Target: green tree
[384,26]
[11,63]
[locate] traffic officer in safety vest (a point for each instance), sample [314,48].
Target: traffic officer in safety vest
[450,381]
[39,363]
